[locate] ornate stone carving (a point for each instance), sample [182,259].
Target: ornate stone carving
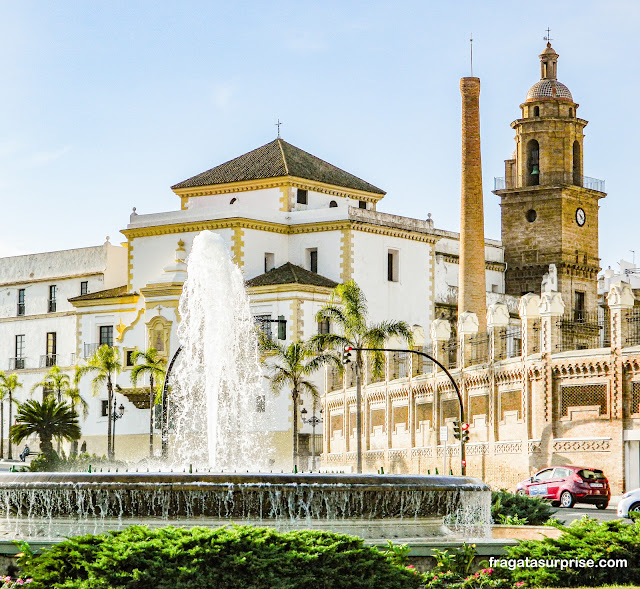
[508,447]
[497,315]
[584,445]
[440,330]
[158,335]
[551,303]
[529,306]
[620,295]
[467,323]
[535,446]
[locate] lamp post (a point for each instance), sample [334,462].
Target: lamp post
[117,414]
[463,461]
[313,420]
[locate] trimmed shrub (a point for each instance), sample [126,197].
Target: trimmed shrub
[519,507]
[585,539]
[234,557]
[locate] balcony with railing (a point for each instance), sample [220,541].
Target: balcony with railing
[21,309]
[48,360]
[17,363]
[500,183]
[89,350]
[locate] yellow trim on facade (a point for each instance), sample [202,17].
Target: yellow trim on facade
[126,300]
[5,285]
[280,181]
[346,255]
[244,223]
[107,311]
[167,289]
[129,262]
[288,288]
[237,246]
[130,326]
[284,199]
[167,304]
[296,320]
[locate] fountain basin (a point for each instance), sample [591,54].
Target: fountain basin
[372,506]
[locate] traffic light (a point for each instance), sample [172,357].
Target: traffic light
[464,430]
[346,355]
[456,429]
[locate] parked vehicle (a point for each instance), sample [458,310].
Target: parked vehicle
[629,503]
[567,485]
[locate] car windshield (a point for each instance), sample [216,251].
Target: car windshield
[591,475]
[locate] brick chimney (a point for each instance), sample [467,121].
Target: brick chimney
[471,280]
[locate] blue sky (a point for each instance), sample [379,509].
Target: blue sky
[106,104]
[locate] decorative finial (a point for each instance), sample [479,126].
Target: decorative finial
[471,48]
[134,211]
[108,238]
[278,125]
[548,38]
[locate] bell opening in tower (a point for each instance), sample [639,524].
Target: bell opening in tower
[533,163]
[577,173]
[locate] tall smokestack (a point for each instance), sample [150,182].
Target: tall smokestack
[471,280]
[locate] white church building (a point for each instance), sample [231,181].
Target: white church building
[295,225]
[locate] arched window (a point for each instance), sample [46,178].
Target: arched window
[333,204]
[536,111]
[577,164]
[533,163]
[570,112]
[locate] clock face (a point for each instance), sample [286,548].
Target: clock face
[581,217]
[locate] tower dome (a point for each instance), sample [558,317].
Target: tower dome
[548,88]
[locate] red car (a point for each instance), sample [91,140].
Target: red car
[568,485]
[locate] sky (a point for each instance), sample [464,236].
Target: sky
[104,105]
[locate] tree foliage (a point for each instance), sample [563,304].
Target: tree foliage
[47,420]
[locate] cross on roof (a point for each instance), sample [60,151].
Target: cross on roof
[548,38]
[278,125]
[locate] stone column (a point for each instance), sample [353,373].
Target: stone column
[529,311]
[551,310]
[440,335]
[472,278]
[467,328]
[497,323]
[620,300]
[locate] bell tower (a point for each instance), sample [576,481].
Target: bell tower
[549,208]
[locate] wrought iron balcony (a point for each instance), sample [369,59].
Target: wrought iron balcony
[90,349]
[21,308]
[52,305]
[17,363]
[48,360]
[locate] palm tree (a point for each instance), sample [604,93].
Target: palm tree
[347,310]
[55,381]
[105,364]
[155,366]
[47,420]
[8,386]
[291,366]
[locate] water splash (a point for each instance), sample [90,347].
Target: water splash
[218,375]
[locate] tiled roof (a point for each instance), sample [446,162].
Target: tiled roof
[291,274]
[274,160]
[118,291]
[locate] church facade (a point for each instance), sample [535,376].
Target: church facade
[296,226]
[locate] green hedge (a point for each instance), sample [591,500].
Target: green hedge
[242,557]
[534,510]
[584,539]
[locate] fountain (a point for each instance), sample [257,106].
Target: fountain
[217,376]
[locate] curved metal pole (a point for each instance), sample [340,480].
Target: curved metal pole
[463,466]
[165,390]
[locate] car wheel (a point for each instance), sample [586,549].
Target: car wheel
[566,499]
[521,492]
[555,504]
[602,505]
[635,508]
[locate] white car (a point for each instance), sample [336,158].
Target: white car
[630,503]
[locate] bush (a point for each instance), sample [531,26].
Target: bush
[519,507]
[234,557]
[73,463]
[583,539]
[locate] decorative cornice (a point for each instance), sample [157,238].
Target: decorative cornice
[130,299]
[289,288]
[162,289]
[280,181]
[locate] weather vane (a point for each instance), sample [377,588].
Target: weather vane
[278,125]
[548,38]
[471,46]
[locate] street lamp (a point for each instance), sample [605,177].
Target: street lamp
[313,420]
[117,414]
